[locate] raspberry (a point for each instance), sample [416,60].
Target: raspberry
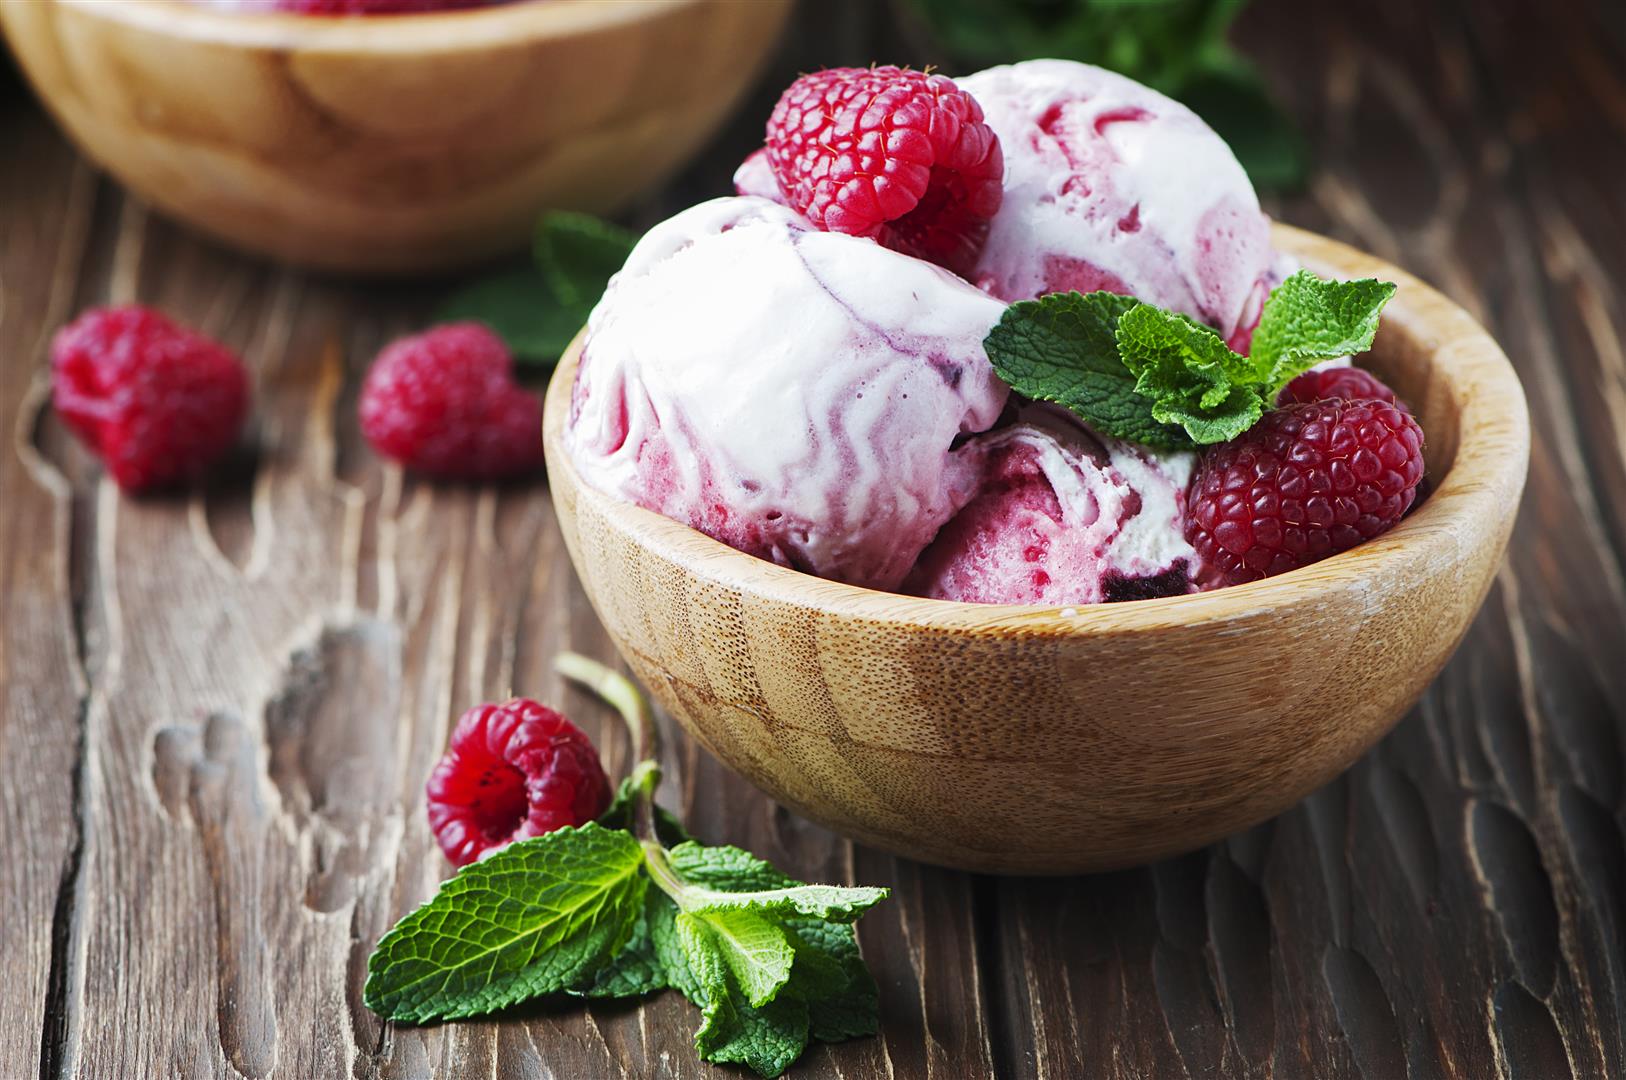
[900,156]
[1349,383]
[445,403]
[156,401]
[1306,482]
[513,771]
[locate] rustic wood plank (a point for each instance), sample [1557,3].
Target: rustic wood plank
[41,680]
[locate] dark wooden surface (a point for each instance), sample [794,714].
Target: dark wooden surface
[219,708]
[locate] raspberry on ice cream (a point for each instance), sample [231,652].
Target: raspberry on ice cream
[1110,185]
[793,393]
[445,403]
[1337,382]
[512,771]
[1062,516]
[901,156]
[158,402]
[1307,481]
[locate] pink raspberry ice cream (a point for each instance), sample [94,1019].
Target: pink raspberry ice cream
[795,394]
[1063,516]
[1110,185]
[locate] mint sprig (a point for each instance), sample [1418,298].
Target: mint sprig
[554,909]
[1135,371]
[538,308]
[627,906]
[1307,320]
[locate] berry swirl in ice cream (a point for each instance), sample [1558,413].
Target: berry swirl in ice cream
[789,372]
[1110,185]
[796,394]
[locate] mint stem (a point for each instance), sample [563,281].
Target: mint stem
[618,691]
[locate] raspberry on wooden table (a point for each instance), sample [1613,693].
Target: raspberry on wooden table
[157,401]
[1307,481]
[901,156]
[513,771]
[1350,383]
[445,403]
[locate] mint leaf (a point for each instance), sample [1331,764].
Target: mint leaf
[517,305]
[843,1001]
[538,916]
[636,969]
[1307,320]
[751,943]
[1063,348]
[767,1036]
[578,254]
[1189,375]
[830,994]
[746,885]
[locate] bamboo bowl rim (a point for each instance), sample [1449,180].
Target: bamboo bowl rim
[1480,485]
[503,25]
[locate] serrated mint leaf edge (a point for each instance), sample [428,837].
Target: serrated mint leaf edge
[387,1001]
[1029,349]
[1304,294]
[1175,357]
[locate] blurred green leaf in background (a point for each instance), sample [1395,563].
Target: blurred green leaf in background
[1175,46]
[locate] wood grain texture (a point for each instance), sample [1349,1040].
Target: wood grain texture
[390,145]
[1452,907]
[1065,740]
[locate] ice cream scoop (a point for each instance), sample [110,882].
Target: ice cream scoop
[1062,516]
[795,394]
[1110,185]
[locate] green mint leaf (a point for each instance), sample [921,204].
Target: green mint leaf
[1188,375]
[843,1001]
[578,254]
[1063,348]
[697,863]
[516,305]
[752,944]
[636,969]
[536,917]
[1307,320]
[830,994]
[767,1036]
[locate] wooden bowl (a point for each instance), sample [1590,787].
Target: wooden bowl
[1055,740]
[390,144]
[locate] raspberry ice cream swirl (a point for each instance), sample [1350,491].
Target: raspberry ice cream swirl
[1063,516]
[1110,185]
[793,393]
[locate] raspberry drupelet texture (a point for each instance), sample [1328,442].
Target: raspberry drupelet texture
[1350,383]
[1306,482]
[901,156]
[513,771]
[158,402]
[445,403]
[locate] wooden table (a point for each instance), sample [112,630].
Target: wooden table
[219,709]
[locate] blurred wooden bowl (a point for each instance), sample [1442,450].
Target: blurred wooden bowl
[1055,740]
[390,144]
